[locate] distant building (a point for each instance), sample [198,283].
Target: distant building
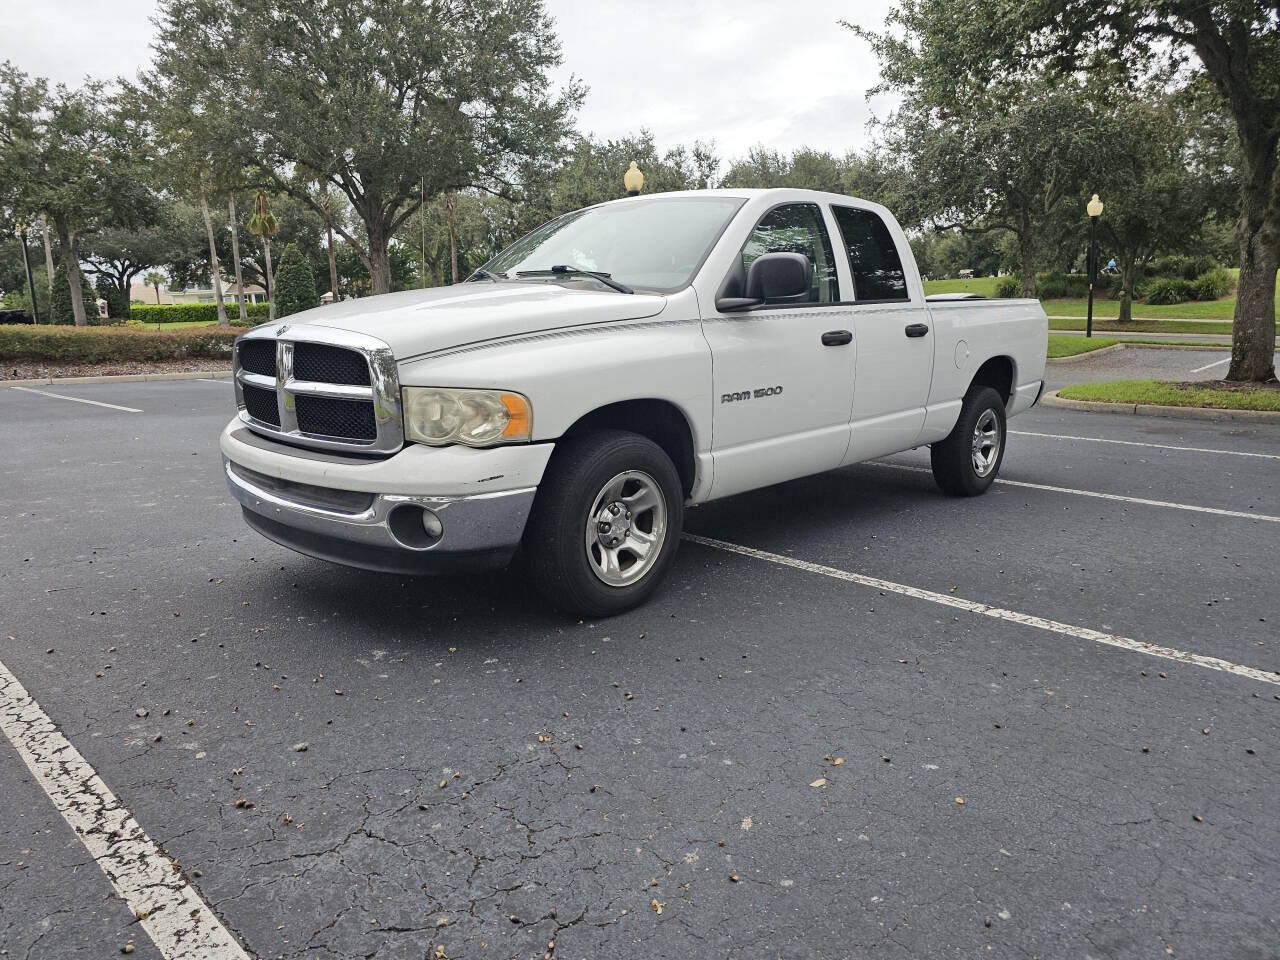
[141,293]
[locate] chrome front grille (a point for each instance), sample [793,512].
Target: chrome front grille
[319,387]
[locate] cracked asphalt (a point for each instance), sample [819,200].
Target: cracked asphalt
[483,778]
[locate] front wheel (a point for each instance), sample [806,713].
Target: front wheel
[965,464]
[606,523]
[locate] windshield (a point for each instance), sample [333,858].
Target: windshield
[654,245]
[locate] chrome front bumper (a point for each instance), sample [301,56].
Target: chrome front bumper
[381,531]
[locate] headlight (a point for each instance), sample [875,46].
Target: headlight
[477,418]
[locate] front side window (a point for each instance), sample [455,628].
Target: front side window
[873,256]
[651,244]
[797,228]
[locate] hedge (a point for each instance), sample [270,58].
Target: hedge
[195,312]
[100,344]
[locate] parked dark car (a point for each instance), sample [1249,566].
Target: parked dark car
[14,316]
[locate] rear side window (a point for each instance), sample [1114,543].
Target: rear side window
[873,256]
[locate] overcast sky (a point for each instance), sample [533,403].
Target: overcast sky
[740,73]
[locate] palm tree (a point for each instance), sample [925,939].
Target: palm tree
[263,224]
[154,279]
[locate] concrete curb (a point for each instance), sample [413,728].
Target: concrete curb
[1051,399]
[121,378]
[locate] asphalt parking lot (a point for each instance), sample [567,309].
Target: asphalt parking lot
[1142,363]
[861,720]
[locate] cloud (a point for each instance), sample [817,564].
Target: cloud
[739,73]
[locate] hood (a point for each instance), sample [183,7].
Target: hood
[416,322]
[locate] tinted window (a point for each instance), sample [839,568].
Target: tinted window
[797,228]
[873,256]
[652,244]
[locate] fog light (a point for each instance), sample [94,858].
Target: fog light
[432,525]
[415,527]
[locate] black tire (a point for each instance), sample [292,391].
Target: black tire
[953,458]
[555,546]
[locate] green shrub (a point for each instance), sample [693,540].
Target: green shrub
[195,312]
[117,299]
[120,343]
[1212,284]
[60,300]
[1180,266]
[1009,287]
[1054,285]
[21,299]
[295,284]
[1168,290]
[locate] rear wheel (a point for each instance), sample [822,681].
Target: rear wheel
[965,464]
[606,523]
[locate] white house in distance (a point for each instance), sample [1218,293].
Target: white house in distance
[141,293]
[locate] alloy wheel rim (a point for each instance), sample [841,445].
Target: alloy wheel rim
[986,442]
[626,528]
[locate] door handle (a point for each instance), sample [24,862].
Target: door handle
[836,338]
[917,329]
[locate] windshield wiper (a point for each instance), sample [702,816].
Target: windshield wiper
[561,269]
[487,275]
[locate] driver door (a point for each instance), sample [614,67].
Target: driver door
[783,371]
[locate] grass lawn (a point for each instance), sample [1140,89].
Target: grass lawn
[1142,326]
[1074,346]
[1169,394]
[1208,310]
[1224,309]
[983,286]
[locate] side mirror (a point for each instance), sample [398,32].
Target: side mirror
[773,276]
[776,276]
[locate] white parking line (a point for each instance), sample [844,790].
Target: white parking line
[1141,501]
[96,403]
[1216,363]
[1139,443]
[179,922]
[998,613]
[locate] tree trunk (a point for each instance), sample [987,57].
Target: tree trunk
[235,256]
[453,237]
[271,282]
[379,258]
[48,250]
[71,261]
[1027,257]
[1128,280]
[215,270]
[333,263]
[1258,232]
[1254,330]
[157,286]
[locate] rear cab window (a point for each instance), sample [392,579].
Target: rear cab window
[874,262]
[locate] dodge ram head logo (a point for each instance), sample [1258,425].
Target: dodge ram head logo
[755,394]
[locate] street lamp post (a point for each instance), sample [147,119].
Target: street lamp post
[26,263]
[1094,209]
[633,180]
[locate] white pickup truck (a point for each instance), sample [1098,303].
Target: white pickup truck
[617,364]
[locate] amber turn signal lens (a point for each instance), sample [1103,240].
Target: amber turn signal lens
[520,417]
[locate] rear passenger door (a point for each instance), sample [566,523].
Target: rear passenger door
[892,329]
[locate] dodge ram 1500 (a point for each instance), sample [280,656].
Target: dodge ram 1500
[616,365]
